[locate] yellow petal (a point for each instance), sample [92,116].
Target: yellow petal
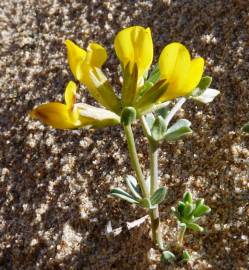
[70,95]
[96,55]
[182,74]
[76,57]
[54,114]
[194,75]
[174,62]
[134,45]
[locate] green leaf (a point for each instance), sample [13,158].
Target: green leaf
[188,208]
[132,184]
[178,130]
[195,227]
[180,208]
[159,129]
[153,78]
[205,82]
[187,197]
[182,226]
[185,256]
[150,119]
[201,210]
[146,203]
[154,75]
[147,85]
[120,193]
[129,88]
[128,116]
[168,256]
[199,202]
[150,97]
[163,112]
[158,196]
[245,128]
[206,96]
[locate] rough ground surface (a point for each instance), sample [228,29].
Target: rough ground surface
[54,184]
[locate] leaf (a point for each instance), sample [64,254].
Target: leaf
[185,256]
[187,197]
[150,119]
[158,196]
[120,193]
[163,112]
[201,210]
[182,226]
[195,227]
[154,75]
[245,128]
[146,203]
[205,82]
[178,130]
[159,129]
[153,78]
[180,208]
[168,256]
[132,184]
[206,96]
[188,208]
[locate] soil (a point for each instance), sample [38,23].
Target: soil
[54,202]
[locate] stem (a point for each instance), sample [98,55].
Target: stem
[145,127]
[154,184]
[174,110]
[181,235]
[134,160]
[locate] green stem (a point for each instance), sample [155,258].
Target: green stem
[134,160]
[154,185]
[181,235]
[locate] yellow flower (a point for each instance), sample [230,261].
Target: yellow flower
[71,115]
[181,73]
[134,45]
[86,68]
[80,61]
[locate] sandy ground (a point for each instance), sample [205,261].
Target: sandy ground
[54,184]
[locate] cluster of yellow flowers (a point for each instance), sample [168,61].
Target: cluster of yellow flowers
[179,76]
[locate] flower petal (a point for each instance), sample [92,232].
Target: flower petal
[194,75]
[70,95]
[76,57]
[96,55]
[182,74]
[174,62]
[54,114]
[134,45]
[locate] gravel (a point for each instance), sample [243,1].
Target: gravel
[54,184]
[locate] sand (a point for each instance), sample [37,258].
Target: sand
[54,184]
